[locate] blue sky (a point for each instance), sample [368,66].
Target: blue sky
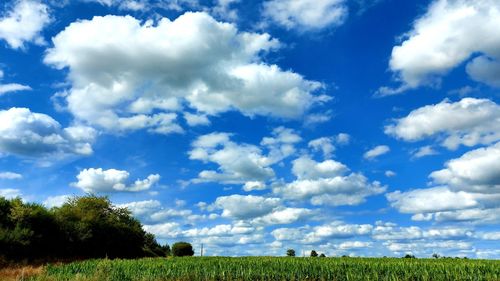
[361,127]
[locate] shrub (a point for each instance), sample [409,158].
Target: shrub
[290,253]
[182,249]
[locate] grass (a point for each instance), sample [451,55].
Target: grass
[273,268]
[20,273]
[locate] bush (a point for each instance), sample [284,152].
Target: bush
[182,249]
[290,253]
[314,254]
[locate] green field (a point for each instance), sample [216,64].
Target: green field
[274,268]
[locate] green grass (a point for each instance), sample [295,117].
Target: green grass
[274,268]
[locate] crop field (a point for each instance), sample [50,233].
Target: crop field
[273,268]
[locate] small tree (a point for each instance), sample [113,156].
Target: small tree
[314,254]
[290,253]
[322,255]
[182,249]
[408,256]
[436,256]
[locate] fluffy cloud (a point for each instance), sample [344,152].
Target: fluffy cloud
[326,145]
[322,233]
[242,163]
[470,193]
[127,76]
[10,176]
[326,183]
[246,207]
[424,151]
[305,15]
[476,171]
[431,200]
[56,201]
[11,87]
[24,23]
[10,193]
[435,46]
[99,180]
[143,5]
[26,133]
[376,152]
[467,122]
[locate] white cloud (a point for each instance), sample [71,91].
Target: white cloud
[10,176]
[324,144]
[336,230]
[13,87]
[283,216]
[305,15]
[112,180]
[306,168]
[10,193]
[164,230]
[376,152]
[196,119]
[141,208]
[246,206]
[56,201]
[390,174]
[26,133]
[424,151]
[475,171]
[348,245]
[431,200]
[467,122]
[254,185]
[325,183]
[435,45]
[241,163]
[24,23]
[192,61]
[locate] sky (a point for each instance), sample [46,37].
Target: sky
[352,127]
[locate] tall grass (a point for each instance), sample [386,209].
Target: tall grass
[274,268]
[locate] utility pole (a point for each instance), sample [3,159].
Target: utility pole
[201,250]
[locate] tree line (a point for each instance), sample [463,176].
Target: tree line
[83,227]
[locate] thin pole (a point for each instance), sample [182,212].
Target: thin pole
[201,249]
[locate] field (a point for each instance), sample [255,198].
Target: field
[272,268]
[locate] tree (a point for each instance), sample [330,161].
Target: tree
[322,255]
[290,253]
[408,256]
[436,256]
[182,249]
[314,253]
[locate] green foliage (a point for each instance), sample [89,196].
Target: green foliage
[275,268]
[84,227]
[322,255]
[314,254]
[408,256]
[182,249]
[290,253]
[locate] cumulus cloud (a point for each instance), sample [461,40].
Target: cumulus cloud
[24,23]
[475,171]
[322,233]
[435,46]
[431,200]
[128,75]
[467,122]
[376,152]
[242,163]
[326,145]
[26,133]
[246,206]
[11,87]
[424,151]
[56,201]
[10,176]
[470,190]
[305,15]
[112,180]
[10,193]
[327,183]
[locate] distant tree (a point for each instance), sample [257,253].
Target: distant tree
[182,249]
[153,249]
[408,256]
[322,255]
[436,256]
[314,253]
[290,253]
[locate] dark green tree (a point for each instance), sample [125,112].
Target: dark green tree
[290,253]
[314,254]
[322,255]
[182,249]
